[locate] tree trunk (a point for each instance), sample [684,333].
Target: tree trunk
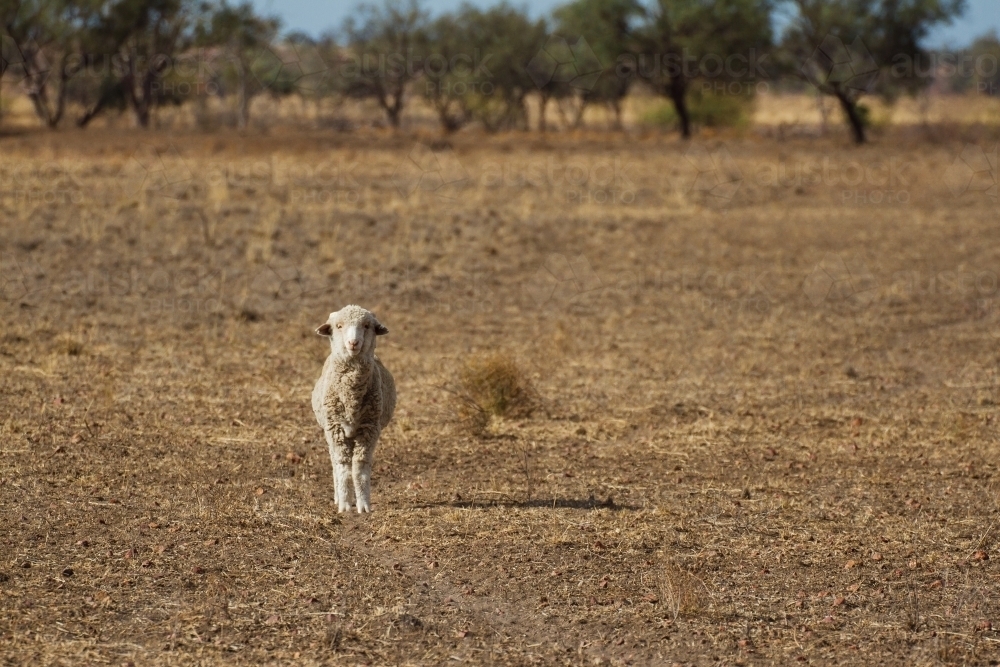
[850,108]
[678,94]
[543,104]
[61,92]
[393,113]
[95,110]
[616,106]
[580,110]
[242,99]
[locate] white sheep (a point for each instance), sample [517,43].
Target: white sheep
[353,400]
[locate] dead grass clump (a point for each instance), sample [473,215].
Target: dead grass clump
[682,593]
[69,346]
[491,386]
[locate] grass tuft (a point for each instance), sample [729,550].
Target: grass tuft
[493,386]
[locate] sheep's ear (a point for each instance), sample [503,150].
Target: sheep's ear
[325,330]
[380,329]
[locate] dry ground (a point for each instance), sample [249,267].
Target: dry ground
[768,373]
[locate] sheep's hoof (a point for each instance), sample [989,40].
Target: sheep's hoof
[343,508]
[363,508]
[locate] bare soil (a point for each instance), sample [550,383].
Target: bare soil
[767,376]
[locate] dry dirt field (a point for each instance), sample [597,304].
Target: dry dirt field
[767,372]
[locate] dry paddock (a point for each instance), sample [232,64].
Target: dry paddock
[768,374]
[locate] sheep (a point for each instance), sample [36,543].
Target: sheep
[353,401]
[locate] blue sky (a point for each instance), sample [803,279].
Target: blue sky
[315,16]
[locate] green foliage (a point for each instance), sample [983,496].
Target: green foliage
[706,110]
[383,53]
[848,48]
[608,28]
[684,41]
[43,42]
[504,39]
[250,65]
[985,56]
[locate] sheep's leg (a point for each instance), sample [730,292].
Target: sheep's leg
[362,469]
[341,476]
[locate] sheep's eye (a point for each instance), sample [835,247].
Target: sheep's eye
[366,326]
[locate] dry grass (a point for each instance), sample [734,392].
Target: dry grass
[492,386]
[769,432]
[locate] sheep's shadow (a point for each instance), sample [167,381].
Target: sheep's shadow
[541,503]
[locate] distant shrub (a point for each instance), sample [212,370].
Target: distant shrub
[706,109]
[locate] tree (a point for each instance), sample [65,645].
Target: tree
[450,79]
[145,36]
[985,53]
[382,57]
[848,48]
[687,40]
[45,42]
[502,40]
[608,30]
[248,42]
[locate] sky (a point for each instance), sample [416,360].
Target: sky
[317,16]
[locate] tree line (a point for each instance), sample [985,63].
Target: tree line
[480,65]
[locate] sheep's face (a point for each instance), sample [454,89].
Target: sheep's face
[352,331]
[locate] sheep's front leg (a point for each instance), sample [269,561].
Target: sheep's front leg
[362,472]
[341,456]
